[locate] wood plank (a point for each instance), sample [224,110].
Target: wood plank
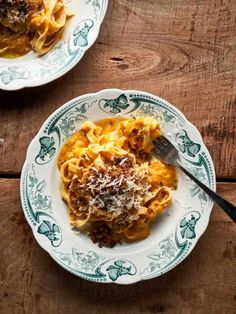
[183,51]
[31,282]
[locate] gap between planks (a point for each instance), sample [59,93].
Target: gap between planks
[17,176]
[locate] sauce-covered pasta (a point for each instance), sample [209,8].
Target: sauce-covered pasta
[112,185]
[30,24]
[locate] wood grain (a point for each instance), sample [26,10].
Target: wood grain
[183,51]
[31,282]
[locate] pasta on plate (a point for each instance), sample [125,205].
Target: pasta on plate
[30,25]
[112,185]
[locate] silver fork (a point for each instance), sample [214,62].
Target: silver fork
[166,152]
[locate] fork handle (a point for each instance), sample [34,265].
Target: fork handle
[228,207]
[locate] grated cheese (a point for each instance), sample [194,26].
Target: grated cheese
[117,189]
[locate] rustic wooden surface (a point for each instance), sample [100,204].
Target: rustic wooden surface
[31,282]
[183,51]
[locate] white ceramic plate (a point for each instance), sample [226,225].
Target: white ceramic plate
[175,232]
[80,33]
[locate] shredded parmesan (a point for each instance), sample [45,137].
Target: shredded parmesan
[117,189]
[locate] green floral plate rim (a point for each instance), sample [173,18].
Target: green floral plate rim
[80,33]
[173,235]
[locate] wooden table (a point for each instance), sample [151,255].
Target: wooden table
[183,51]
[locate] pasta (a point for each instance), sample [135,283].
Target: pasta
[30,24]
[113,187]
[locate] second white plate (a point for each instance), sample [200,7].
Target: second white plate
[80,33]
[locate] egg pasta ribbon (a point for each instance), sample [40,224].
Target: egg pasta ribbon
[113,187]
[31,24]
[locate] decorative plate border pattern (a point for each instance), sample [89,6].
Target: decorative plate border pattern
[22,72]
[91,264]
